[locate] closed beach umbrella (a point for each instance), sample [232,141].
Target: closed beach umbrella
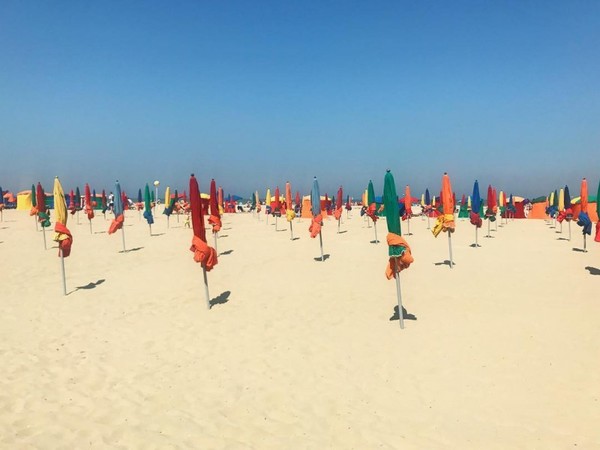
[372,209]
[445,221]
[43,216]
[215,217]
[104,202]
[62,234]
[203,253]
[220,198]
[337,213]
[584,220]
[474,217]
[148,207]
[118,211]
[398,250]
[290,215]
[89,208]
[317,220]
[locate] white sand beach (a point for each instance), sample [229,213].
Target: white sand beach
[500,352]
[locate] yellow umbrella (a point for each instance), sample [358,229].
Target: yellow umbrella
[167,197]
[561,200]
[62,234]
[268,204]
[423,199]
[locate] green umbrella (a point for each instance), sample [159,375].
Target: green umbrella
[597,238]
[33,205]
[148,208]
[392,215]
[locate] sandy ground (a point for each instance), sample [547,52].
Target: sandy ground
[503,351]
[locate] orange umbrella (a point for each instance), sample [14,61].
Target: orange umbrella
[584,220]
[445,221]
[338,206]
[215,217]
[203,254]
[584,196]
[407,208]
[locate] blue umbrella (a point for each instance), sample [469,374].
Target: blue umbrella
[119,216]
[475,207]
[315,227]
[427,197]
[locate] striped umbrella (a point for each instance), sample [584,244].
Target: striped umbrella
[317,220]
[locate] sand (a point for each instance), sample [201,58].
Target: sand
[297,353]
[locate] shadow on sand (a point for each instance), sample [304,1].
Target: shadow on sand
[220,299]
[325,257]
[446,262]
[226,252]
[593,270]
[135,249]
[90,285]
[575,249]
[405,314]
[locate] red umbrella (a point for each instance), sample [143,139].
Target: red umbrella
[276,206]
[104,203]
[297,202]
[203,254]
[124,201]
[72,207]
[89,209]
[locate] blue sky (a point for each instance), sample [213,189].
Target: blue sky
[257,93]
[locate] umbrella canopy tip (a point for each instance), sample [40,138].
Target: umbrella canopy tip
[387,170]
[191,175]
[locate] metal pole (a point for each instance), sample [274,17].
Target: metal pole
[408,220]
[450,247]
[62,264]
[399,294]
[489,222]
[428,225]
[276,223]
[291,231]
[569,230]
[123,237]
[584,244]
[375,227]
[150,228]
[44,232]
[338,226]
[321,243]
[215,237]
[476,243]
[90,220]
[206,287]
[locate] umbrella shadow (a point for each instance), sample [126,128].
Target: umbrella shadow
[325,257]
[446,262]
[226,228]
[220,299]
[226,252]
[405,314]
[575,249]
[562,239]
[474,245]
[342,232]
[223,236]
[157,234]
[295,239]
[90,285]
[490,237]
[281,229]
[374,242]
[593,270]
[99,232]
[135,249]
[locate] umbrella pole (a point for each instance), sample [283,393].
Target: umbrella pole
[375,228]
[150,228]
[584,244]
[489,222]
[167,221]
[450,248]
[77,217]
[399,294]
[206,287]
[35,219]
[338,226]
[291,231]
[275,223]
[408,220]
[90,220]
[428,225]
[44,232]
[62,265]
[569,230]
[321,244]
[215,236]
[123,238]
[561,228]
[476,243]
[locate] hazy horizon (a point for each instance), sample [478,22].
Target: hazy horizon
[256,94]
